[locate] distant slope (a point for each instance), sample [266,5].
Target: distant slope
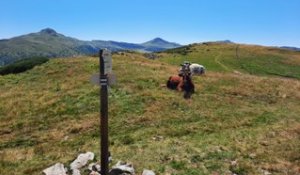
[290,48]
[49,43]
[46,43]
[239,58]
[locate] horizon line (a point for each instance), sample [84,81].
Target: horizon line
[157,37]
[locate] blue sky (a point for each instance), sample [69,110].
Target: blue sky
[264,22]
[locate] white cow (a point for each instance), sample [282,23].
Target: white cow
[197,69]
[194,69]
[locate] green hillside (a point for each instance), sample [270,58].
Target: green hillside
[238,58]
[235,122]
[48,43]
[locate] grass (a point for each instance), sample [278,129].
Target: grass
[51,114]
[238,58]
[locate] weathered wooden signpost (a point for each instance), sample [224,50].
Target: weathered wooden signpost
[104,78]
[105,69]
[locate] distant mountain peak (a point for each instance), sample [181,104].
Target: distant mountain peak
[38,44]
[48,31]
[157,40]
[290,48]
[225,41]
[158,44]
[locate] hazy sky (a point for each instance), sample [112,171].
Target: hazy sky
[264,22]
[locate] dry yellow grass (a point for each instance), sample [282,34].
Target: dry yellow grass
[51,114]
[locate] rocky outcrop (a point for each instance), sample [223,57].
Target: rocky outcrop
[148,172]
[80,162]
[78,165]
[122,168]
[57,169]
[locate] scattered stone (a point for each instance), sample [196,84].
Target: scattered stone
[252,155]
[91,166]
[265,172]
[125,167]
[75,172]
[121,168]
[148,172]
[117,171]
[158,138]
[94,173]
[237,72]
[109,157]
[284,96]
[233,163]
[94,167]
[80,162]
[57,169]
[66,138]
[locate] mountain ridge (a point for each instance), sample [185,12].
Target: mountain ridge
[155,44]
[290,48]
[50,43]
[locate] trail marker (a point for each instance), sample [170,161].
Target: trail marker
[106,55]
[104,78]
[111,79]
[105,68]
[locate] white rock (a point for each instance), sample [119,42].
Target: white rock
[252,155]
[266,172]
[94,173]
[148,172]
[90,167]
[80,162]
[124,167]
[57,169]
[75,172]
[66,138]
[94,166]
[158,138]
[233,163]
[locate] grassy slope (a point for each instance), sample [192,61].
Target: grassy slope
[38,44]
[51,113]
[239,58]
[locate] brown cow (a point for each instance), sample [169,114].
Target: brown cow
[182,83]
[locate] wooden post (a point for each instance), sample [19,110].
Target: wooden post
[103,116]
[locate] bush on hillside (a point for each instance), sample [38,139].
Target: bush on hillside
[184,50]
[22,65]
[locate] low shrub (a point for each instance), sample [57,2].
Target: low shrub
[22,65]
